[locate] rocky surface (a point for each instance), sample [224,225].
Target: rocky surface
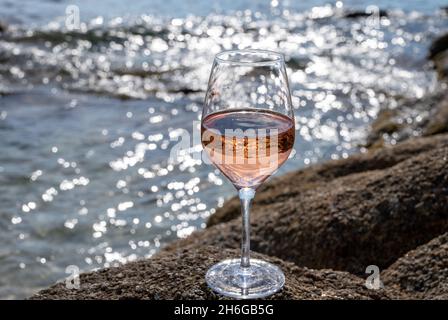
[348,222]
[364,14]
[180,275]
[438,53]
[342,215]
[3,27]
[412,118]
[421,273]
[438,122]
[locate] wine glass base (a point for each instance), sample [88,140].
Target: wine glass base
[259,280]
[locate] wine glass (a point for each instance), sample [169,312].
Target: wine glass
[247,132]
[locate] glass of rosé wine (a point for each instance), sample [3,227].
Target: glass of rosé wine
[247,132]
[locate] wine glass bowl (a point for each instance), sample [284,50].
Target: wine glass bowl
[245,79]
[248,132]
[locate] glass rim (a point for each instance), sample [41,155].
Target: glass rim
[272,57]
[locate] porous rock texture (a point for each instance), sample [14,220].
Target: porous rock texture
[180,275]
[421,273]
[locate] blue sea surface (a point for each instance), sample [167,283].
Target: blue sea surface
[34,12]
[89,114]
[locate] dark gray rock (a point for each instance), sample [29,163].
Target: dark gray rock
[438,53]
[421,273]
[3,27]
[363,14]
[438,46]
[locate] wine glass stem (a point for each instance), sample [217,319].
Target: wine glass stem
[246,195]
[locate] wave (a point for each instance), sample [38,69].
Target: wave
[140,57]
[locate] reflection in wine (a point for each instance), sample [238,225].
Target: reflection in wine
[247,145]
